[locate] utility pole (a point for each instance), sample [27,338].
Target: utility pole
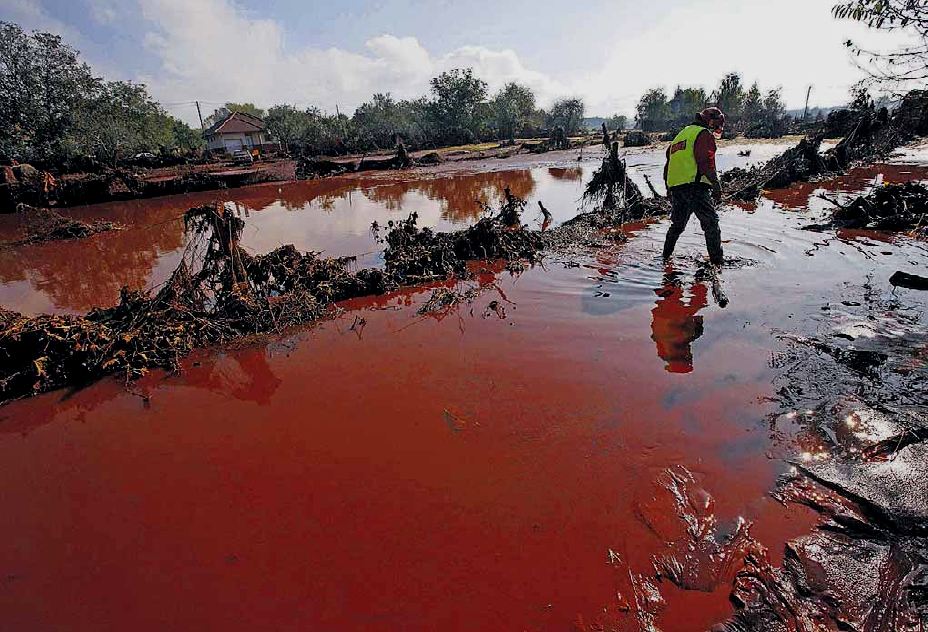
[805,112]
[200,114]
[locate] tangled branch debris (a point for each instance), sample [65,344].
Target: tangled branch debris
[897,207]
[617,198]
[414,255]
[875,135]
[219,293]
[43,224]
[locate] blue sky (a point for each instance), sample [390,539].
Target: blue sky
[338,53]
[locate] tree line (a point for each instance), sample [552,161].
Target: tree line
[457,110]
[750,111]
[55,112]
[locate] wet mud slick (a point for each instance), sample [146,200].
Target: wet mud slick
[599,441]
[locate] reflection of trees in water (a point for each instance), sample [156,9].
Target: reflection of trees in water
[81,274]
[571,174]
[460,196]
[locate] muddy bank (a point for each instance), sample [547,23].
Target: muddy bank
[43,189]
[854,395]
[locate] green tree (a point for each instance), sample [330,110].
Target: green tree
[287,124]
[379,121]
[456,95]
[753,106]
[246,108]
[904,66]
[686,102]
[120,119]
[774,108]
[42,83]
[730,96]
[185,139]
[567,113]
[617,122]
[653,110]
[511,109]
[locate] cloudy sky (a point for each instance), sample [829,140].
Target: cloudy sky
[339,52]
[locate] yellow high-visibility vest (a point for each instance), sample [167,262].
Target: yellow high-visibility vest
[682,167]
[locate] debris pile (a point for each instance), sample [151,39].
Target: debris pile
[308,168]
[414,255]
[43,224]
[897,207]
[795,164]
[615,197]
[874,135]
[637,138]
[218,292]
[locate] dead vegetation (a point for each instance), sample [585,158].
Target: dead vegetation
[895,207]
[875,135]
[617,199]
[40,225]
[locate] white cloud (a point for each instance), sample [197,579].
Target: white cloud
[790,44]
[213,51]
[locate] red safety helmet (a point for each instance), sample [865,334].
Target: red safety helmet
[714,119]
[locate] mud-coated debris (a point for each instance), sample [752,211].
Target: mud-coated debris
[308,168]
[891,207]
[618,199]
[896,490]
[444,299]
[910,281]
[414,254]
[636,138]
[43,224]
[860,360]
[874,135]
[795,164]
[510,213]
[833,581]
[700,558]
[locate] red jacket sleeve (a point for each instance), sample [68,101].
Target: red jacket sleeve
[704,150]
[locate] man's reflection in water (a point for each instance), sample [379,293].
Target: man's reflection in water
[675,324]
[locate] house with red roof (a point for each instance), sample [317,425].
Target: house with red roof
[238,130]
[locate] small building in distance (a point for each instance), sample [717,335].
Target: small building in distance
[237,130]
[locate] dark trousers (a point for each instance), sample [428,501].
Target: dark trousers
[689,199]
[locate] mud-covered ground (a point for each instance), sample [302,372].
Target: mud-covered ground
[593,443]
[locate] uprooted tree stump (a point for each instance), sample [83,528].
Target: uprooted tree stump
[616,197]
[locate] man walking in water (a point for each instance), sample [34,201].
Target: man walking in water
[692,182]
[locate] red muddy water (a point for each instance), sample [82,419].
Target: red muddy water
[481,469]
